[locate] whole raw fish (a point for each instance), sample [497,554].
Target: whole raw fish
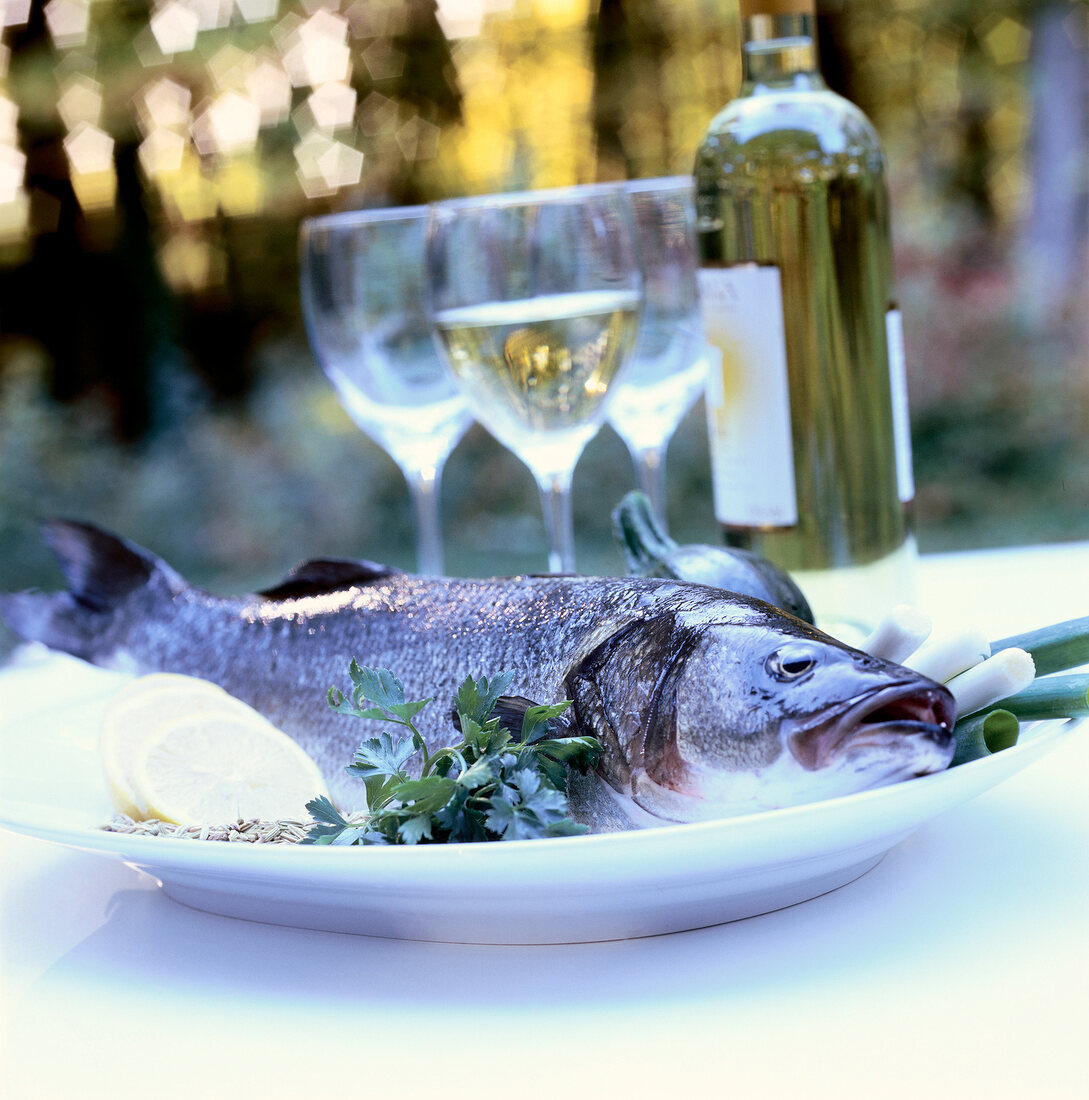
[707,703]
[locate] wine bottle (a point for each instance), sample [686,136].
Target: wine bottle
[810,444]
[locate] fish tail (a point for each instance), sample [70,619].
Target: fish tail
[102,572]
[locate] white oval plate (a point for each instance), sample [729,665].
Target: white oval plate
[566,890]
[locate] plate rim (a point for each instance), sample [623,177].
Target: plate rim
[144,851]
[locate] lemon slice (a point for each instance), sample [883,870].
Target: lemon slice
[136,711]
[159,681]
[215,767]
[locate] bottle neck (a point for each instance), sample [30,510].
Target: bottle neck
[780,50]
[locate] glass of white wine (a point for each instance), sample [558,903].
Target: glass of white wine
[363,297]
[536,299]
[668,366]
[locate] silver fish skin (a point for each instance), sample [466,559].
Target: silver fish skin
[707,703]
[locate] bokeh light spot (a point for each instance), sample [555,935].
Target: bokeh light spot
[211,14]
[1006,39]
[240,184]
[68,21]
[418,139]
[464,18]
[161,152]
[332,105]
[326,165]
[187,194]
[90,162]
[80,100]
[15,12]
[12,173]
[382,60]
[14,218]
[257,11]
[378,114]
[191,264]
[163,103]
[340,165]
[9,121]
[229,124]
[269,87]
[229,66]
[316,51]
[89,149]
[175,27]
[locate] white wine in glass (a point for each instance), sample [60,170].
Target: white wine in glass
[364,302]
[536,299]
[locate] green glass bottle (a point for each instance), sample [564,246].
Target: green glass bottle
[808,419]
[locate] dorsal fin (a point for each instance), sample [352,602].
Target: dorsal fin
[321,575]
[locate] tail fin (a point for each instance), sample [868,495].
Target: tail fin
[102,572]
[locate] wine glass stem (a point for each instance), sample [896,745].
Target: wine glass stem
[424,486]
[649,465]
[556,504]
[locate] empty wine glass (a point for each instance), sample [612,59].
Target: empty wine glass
[667,368]
[363,298]
[536,299]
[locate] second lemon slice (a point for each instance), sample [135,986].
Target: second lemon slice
[136,712]
[214,767]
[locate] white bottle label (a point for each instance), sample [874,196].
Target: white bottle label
[901,420]
[748,397]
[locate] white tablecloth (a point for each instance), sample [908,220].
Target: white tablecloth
[958,967]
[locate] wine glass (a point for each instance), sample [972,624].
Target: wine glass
[363,299]
[667,368]
[535,299]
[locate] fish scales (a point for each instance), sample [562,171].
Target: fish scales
[282,656]
[706,702]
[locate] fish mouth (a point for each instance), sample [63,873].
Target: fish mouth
[889,734]
[889,719]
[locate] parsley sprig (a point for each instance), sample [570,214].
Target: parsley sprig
[489,786]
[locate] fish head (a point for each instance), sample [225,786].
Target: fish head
[712,715]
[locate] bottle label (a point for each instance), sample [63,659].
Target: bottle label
[901,420]
[748,397]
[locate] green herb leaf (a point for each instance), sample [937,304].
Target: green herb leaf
[538,721]
[526,808]
[580,752]
[488,739]
[487,787]
[482,771]
[382,756]
[380,687]
[476,699]
[424,796]
[321,809]
[415,829]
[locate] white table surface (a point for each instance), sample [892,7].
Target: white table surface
[958,967]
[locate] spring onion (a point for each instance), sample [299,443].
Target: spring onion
[983,734]
[1051,697]
[1054,648]
[898,635]
[1001,675]
[945,657]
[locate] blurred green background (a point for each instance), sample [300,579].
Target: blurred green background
[156,160]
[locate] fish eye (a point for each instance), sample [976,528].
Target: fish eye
[791,662]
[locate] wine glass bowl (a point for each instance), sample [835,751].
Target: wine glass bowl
[535,299]
[668,369]
[362,286]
